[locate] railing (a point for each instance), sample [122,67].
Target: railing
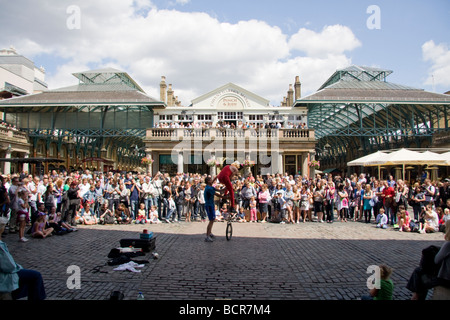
[12,133]
[176,134]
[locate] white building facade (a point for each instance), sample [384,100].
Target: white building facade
[227,124]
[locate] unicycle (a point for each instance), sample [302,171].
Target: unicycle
[229,230]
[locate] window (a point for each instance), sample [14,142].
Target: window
[230,115]
[185,117]
[277,117]
[165,117]
[204,117]
[293,164]
[294,118]
[256,117]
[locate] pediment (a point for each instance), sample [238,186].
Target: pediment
[230,96]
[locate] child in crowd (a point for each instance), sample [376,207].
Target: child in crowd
[40,229]
[141,217]
[106,215]
[154,215]
[171,209]
[386,286]
[219,216]
[224,211]
[404,220]
[444,219]
[122,214]
[253,214]
[22,214]
[241,215]
[382,219]
[282,206]
[59,226]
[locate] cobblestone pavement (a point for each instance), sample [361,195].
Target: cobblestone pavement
[264,261]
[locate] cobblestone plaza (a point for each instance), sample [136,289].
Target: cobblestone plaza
[263,261]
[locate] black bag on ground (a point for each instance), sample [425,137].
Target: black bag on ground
[146,245]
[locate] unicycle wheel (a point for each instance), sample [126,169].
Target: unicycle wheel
[229,231]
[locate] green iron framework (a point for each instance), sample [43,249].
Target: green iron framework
[106,109]
[357,112]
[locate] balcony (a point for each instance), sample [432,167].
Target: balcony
[12,135]
[177,134]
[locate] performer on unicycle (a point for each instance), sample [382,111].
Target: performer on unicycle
[225,176]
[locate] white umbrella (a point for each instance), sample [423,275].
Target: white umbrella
[436,158]
[446,157]
[363,161]
[405,156]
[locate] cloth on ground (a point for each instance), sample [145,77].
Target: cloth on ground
[130,266]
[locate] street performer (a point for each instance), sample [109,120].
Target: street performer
[225,176]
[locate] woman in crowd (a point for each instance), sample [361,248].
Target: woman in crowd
[304,203]
[318,195]
[296,201]
[264,198]
[356,201]
[367,203]
[330,192]
[342,201]
[289,197]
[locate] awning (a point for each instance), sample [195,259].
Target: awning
[97,159]
[363,161]
[30,160]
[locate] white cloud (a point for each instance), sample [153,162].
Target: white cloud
[334,39]
[195,51]
[439,57]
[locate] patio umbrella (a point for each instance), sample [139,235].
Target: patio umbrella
[363,161]
[436,158]
[408,157]
[446,157]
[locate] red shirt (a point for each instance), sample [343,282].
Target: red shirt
[388,192]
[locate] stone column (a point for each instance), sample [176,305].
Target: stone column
[7,167]
[26,167]
[305,172]
[312,170]
[213,169]
[280,162]
[180,162]
[150,165]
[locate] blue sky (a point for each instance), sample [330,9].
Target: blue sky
[261,45]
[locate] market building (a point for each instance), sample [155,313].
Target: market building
[230,123]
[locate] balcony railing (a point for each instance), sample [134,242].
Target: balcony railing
[176,134]
[8,133]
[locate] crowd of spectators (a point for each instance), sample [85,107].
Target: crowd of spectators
[58,202]
[230,125]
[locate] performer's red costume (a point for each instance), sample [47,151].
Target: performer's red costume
[224,178]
